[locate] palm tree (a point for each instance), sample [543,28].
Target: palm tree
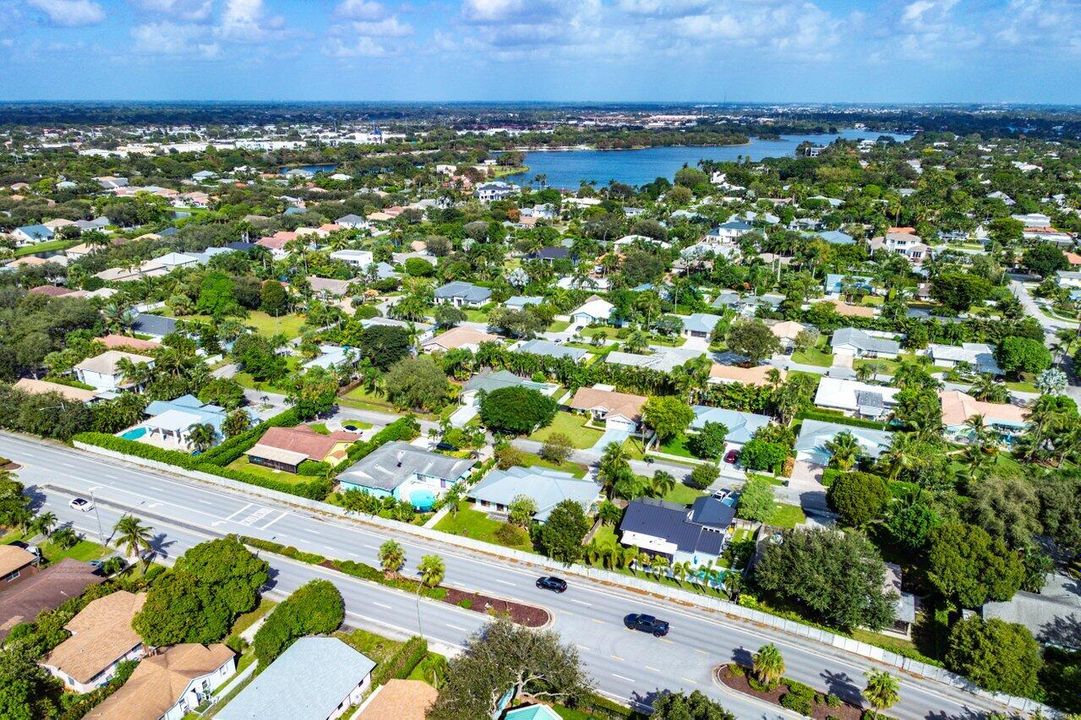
[680,571]
[431,570]
[130,533]
[42,524]
[901,454]
[844,450]
[733,585]
[882,691]
[613,466]
[768,664]
[663,483]
[201,436]
[659,564]
[391,557]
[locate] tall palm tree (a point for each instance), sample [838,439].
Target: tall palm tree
[391,557]
[201,436]
[680,571]
[663,483]
[733,584]
[130,533]
[768,664]
[612,467]
[42,524]
[432,570]
[844,450]
[900,456]
[882,691]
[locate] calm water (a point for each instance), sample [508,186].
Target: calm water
[638,167]
[313,169]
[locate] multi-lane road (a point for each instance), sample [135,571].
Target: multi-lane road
[627,666]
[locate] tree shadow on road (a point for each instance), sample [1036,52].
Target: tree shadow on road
[842,685]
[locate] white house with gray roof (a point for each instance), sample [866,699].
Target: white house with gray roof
[547,488]
[406,473]
[856,398]
[316,678]
[547,348]
[815,434]
[699,325]
[741,425]
[462,294]
[487,382]
[861,343]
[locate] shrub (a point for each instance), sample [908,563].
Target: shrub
[465,603]
[315,608]
[703,476]
[401,663]
[799,698]
[313,468]
[510,535]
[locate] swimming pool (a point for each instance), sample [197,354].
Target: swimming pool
[134,433]
[422,500]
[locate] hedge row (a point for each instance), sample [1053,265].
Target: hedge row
[840,419]
[237,445]
[315,489]
[401,663]
[347,567]
[315,608]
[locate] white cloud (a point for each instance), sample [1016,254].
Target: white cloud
[246,21]
[191,10]
[359,47]
[387,27]
[663,8]
[360,10]
[169,38]
[70,13]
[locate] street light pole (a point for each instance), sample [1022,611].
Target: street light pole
[94,502]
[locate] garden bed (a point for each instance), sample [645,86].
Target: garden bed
[822,706]
[526,615]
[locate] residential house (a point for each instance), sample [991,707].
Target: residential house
[50,291]
[126,342]
[786,331]
[357,258]
[864,344]
[551,254]
[904,241]
[285,448]
[521,302]
[741,425]
[699,325]
[488,381]
[328,288]
[729,232]
[170,422]
[815,434]
[316,678]
[353,222]
[169,684]
[67,392]
[547,348]
[979,356]
[101,639]
[835,283]
[904,611]
[407,473]
[758,376]
[495,190]
[15,563]
[1006,420]
[837,237]
[399,700]
[856,399]
[661,359]
[154,326]
[103,373]
[499,489]
[593,311]
[1068,278]
[31,235]
[1053,615]
[695,535]
[462,294]
[1033,220]
[332,357]
[25,599]
[618,411]
[462,336]
[276,243]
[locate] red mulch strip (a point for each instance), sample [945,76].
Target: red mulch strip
[820,711]
[526,615]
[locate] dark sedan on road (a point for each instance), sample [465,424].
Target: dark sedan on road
[552,583]
[646,624]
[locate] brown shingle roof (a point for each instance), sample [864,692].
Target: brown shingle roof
[100,634]
[748,376]
[13,558]
[303,439]
[400,700]
[158,682]
[116,342]
[47,590]
[614,403]
[40,387]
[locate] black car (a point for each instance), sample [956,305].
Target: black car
[646,624]
[552,583]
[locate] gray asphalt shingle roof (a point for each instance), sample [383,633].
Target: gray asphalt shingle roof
[672,522]
[396,462]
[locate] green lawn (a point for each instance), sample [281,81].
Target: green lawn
[608,332]
[376,647]
[242,464]
[1025,384]
[245,379]
[248,619]
[531,460]
[889,367]
[83,550]
[50,246]
[287,325]
[683,494]
[786,516]
[558,326]
[813,356]
[676,446]
[475,524]
[361,399]
[573,426]
[605,537]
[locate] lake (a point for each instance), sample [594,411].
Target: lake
[567,169]
[312,169]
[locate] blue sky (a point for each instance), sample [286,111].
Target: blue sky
[573,50]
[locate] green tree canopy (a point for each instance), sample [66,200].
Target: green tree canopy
[667,415]
[753,339]
[997,655]
[561,535]
[384,345]
[516,410]
[858,497]
[313,609]
[756,501]
[417,383]
[968,567]
[1020,354]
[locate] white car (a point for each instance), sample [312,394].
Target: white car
[81,504]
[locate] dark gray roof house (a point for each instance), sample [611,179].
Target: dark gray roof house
[153,325]
[664,528]
[397,463]
[551,253]
[463,293]
[859,343]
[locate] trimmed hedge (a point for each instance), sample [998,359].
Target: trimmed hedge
[315,608]
[315,489]
[840,419]
[232,448]
[401,663]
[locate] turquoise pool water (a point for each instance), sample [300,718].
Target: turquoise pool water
[422,500]
[134,433]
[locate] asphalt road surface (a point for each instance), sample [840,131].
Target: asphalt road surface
[627,666]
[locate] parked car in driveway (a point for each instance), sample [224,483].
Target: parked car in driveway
[646,624]
[552,583]
[81,504]
[731,457]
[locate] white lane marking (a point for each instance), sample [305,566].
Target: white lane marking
[370,547]
[599,622]
[382,605]
[313,531]
[622,677]
[583,647]
[652,669]
[701,652]
[504,582]
[239,511]
[455,627]
[254,517]
[284,513]
[581,602]
[688,680]
[205,502]
[617,658]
